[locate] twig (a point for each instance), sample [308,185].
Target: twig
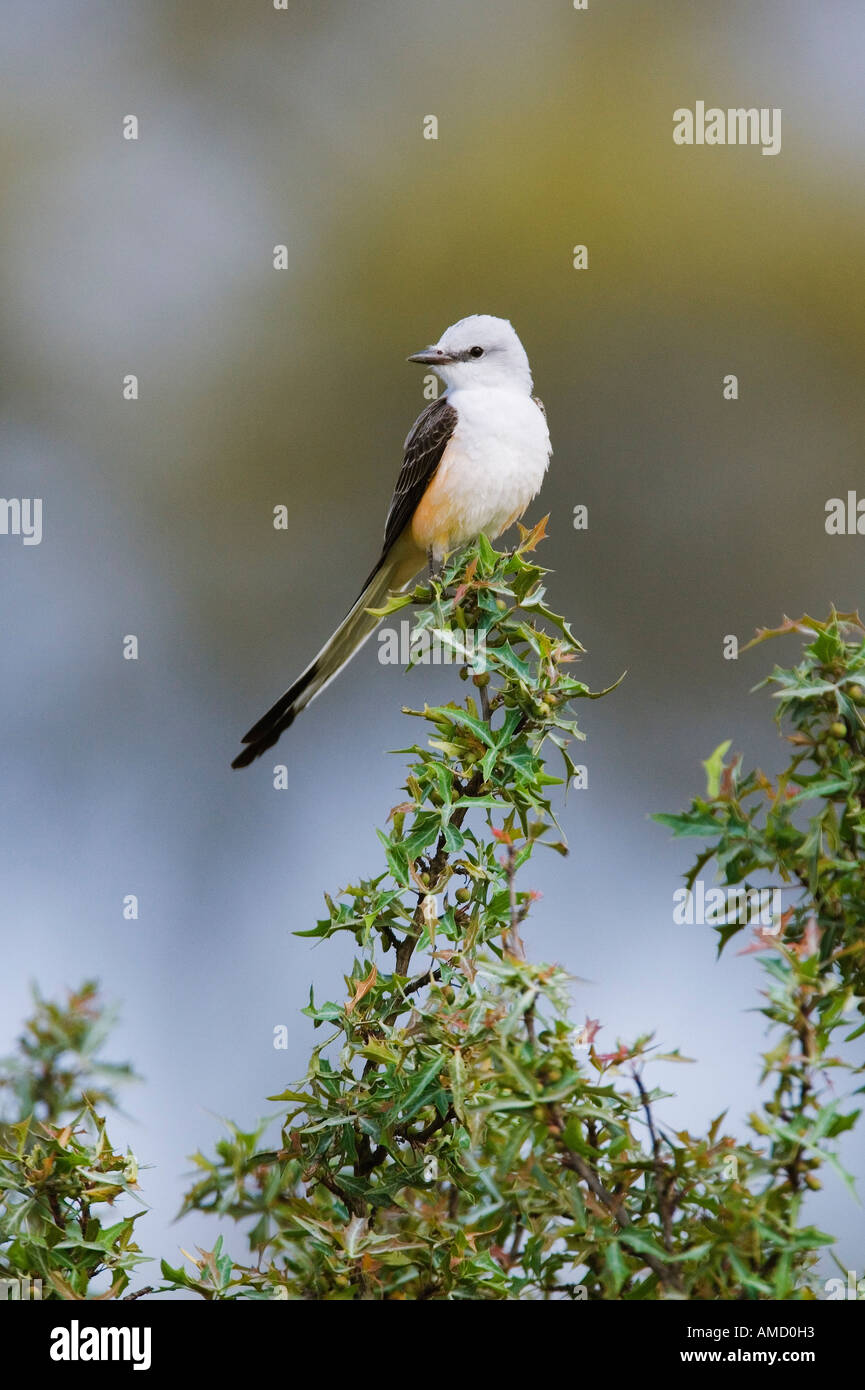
[373,1157]
[615,1206]
[513,941]
[664,1184]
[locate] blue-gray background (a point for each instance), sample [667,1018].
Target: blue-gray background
[261,387]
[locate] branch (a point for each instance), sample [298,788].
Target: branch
[615,1206]
[664,1181]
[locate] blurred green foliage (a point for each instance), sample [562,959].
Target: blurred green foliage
[805,830]
[58,1169]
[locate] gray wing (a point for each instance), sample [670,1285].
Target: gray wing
[427,440]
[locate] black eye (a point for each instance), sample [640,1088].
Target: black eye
[476,352]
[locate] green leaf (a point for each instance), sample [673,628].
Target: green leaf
[689,823]
[617,1269]
[714,766]
[457,1074]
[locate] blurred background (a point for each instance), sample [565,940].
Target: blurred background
[261,387]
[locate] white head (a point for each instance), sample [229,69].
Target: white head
[479,351]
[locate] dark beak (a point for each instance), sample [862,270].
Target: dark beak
[430,357]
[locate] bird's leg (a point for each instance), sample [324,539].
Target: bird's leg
[435,567]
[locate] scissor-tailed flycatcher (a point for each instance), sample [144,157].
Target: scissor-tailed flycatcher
[473,461]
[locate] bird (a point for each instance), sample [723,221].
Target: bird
[472,462]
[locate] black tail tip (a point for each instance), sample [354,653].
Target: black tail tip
[260,744]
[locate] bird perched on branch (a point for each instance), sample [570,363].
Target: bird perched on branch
[472,463]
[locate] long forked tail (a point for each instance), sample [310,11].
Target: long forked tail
[394,571]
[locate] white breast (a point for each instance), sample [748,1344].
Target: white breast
[492,468]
